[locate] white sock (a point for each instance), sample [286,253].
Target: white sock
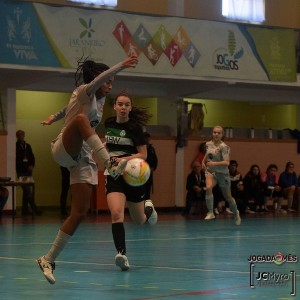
[98,148]
[233,207]
[209,203]
[58,245]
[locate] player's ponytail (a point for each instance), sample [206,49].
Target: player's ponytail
[87,70]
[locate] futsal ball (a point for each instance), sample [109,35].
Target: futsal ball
[137,172]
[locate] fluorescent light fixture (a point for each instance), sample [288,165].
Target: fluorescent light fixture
[111,3]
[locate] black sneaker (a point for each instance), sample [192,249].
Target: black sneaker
[115,168]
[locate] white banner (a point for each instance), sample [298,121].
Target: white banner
[169,46]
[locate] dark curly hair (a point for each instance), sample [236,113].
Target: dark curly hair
[87,70]
[272,166]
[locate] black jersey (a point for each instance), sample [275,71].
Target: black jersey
[123,138]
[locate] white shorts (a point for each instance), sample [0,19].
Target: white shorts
[83,170]
[222,179]
[59,153]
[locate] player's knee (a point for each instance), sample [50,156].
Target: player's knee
[209,191]
[230,200]
[81,118]
[77,216]
[117,216]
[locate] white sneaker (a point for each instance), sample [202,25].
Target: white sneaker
[216,211]
[47,268]
[121,261]
[291,210]
[209,216]
[115,168]
[152,220]
[228,211]
[237,219]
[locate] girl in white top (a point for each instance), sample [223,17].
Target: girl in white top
[216,162]
[78,143]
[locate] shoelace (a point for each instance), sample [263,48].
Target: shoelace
[113,161]
[47,266]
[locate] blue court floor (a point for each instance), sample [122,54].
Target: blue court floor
[177,259]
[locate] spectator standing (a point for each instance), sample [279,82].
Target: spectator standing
[289,182]
[25,162]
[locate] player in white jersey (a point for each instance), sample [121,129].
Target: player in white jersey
[215,162]
[78,143]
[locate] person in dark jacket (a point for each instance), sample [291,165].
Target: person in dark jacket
[195,187]
[253,186]
[25,162]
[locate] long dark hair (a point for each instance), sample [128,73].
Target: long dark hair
[252,180]
[137,114]
[288,164]
[271,166]
[87,70]
[250,172]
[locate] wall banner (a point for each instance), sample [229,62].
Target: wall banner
[44,35]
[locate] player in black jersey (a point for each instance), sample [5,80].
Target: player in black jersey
[125,140]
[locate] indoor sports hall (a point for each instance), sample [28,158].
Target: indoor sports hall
[201,63]
[176,259]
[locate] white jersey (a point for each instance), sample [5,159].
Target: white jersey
[83,100]
[217,153]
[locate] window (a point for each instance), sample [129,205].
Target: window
[245,10]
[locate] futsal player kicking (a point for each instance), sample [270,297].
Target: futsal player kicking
[125,140]
[75,145]
[215,163]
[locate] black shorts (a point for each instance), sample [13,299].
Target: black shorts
[133,194]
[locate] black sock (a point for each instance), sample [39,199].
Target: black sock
[118,233]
